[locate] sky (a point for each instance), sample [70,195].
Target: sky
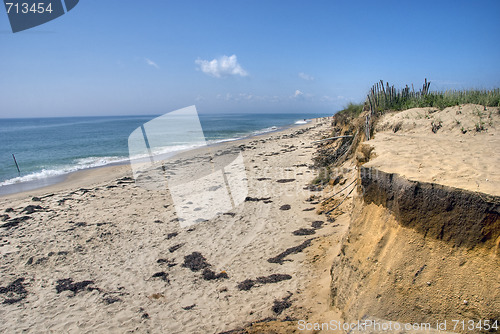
[123,57]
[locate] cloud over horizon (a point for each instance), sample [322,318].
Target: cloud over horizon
[298,93]
[305,76]
[222,67]
[151,63]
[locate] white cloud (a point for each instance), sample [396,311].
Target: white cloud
[305,76]
[237,98]
[275,99]
[246,96]
[151,63]
[298,93]
[327,98]
[222,67]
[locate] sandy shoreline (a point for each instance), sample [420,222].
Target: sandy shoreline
[97,253]
[89,176]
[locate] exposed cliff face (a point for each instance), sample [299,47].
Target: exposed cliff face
[461,217]
[419,252]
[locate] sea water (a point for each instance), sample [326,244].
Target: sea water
[47,149]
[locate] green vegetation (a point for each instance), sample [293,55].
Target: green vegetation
[323,177]
[441,100]
[352,110]
[384,97]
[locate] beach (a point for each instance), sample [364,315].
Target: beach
[286,232]
[100,253]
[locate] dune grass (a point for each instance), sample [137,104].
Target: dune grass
[352,110]
[441,100]
[383,97]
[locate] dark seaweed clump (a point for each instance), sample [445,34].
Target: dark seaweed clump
[257,199]
[292,250]
[15,221]
[111,300]
[163,275]
[246,284]
[175,247]
[68,285]
[195,261]
[273,278]
[304,231]
[209,275]
[169,263]
[285,180]
[32,208]
[280,305]
[172,235]
[15,291]
[317,224]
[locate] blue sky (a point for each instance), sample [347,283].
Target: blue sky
[122,57]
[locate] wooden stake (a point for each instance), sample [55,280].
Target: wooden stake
[16,164]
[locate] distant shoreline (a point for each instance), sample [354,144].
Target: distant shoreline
[122,167]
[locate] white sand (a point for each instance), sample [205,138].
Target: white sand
[115,232]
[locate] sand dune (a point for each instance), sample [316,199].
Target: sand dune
[463,152]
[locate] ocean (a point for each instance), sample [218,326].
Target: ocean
[47,149]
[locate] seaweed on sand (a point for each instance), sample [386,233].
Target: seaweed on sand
[15,221]
[280,305]
[285,180]
[162,275]
[273,278]
[32,208]
[292,250]
[175,247]
[317,224]
[68,285]
[304,231]
[209,275]
[195,261]
[256,199]
[15,291]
